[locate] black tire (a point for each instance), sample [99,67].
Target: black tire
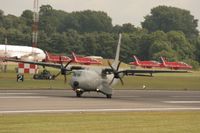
[53,77]
[78,94]
[109,96]
[35,76]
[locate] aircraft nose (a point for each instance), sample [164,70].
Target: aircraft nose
[76,83]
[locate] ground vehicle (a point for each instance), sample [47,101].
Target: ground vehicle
[46,75]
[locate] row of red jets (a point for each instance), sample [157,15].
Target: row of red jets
[90,61]
[163,64]
[75,59]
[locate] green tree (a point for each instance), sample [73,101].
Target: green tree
[161,48]
[146,43]
[1,17]
[106,45]
[51,20]
[181,45]
[196,43]
[2,35]
[88,21]
[27,15]
[170,18]
[89,43]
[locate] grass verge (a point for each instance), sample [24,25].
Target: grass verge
[124,122]
[184,81]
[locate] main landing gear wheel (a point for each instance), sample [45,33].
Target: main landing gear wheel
[78,93]
[109,95]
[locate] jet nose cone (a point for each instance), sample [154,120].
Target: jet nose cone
[76,83]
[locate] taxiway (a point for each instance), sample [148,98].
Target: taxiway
[41,101]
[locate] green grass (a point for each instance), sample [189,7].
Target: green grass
[127,122]
[8,81]
[184,81]
[165,82]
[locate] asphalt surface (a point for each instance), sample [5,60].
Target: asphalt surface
[56,101]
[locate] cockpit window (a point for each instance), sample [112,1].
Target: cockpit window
[77,74]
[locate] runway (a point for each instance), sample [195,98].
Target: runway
[56,101]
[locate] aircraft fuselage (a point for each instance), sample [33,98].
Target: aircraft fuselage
[21,52]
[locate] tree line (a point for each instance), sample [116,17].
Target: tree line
[167,31]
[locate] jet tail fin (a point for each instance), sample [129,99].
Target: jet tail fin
[116,61]
[74,57]
[136,59]
[163,60]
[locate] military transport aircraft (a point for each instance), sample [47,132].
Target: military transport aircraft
[96,78]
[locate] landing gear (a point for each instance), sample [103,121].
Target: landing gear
[79,93]
[109,96]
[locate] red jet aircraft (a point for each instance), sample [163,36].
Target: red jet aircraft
[85,60]
[56,58]
[174,65]
[144,64]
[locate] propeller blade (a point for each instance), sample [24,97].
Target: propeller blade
[112,81]
[116,73]
[110,65]
[65,79]
[57,74]
[122,82]
[68,63]
[118,65]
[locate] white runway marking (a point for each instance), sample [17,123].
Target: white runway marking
[7,93]
[126,96]
[21,97]
[191,102]
[185,96]
[98,110]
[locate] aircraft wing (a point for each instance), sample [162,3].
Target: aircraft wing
[136,71]
[44,64]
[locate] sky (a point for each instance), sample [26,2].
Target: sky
[121,11]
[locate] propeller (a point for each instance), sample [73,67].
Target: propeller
[116,73]
[63,70]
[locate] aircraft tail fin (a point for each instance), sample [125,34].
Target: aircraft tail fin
[163,60]
[136,59]
[47,55]
[74,57]
[116,61]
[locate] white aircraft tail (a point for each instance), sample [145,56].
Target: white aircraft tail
[136,59]
[163,60]
[74,57]
[116,61]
